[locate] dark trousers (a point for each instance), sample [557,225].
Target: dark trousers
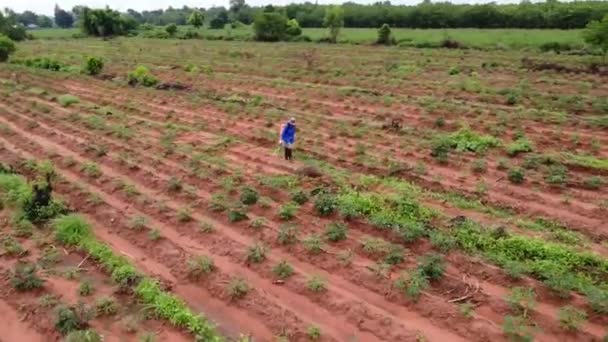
[288,153]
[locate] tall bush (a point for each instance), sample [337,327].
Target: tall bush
[270,26]
[334,21]
[7,47]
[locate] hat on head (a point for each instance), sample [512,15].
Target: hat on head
[292,120]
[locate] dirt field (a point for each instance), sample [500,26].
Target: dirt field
[445,227]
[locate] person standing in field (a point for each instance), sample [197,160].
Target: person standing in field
[288,137]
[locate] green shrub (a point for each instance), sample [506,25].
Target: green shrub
[412,285]
[336,232]
[249,196]
[72,318]
[106,306]
[384,35]
[479,166]
[594,182]
[598,299]
[270,26]
[92,66]
[171,29]
[316,284]
[71,229]
[558,175]
[141,76]
[200,265]
[288,211]
[518,328]
[237,213]
[282,270]
[516,175]
[522,300]
[238,288]
[521,145]
[325,204]
[293,28]
[313,243]
[24,277]
[571,318]
[84,336]
[299,197]
[314,333]
[7,48]
[67,100]
[256,253]
[288,234]
[85,288]
[432,266]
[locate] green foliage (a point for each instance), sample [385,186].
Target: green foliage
[256,253]
[282,270]
[467,140]
[336,232]
[384,35]
[325,204]
[87,335]
[238,288]
[24,277]
[596,34]
[571,318]
[92,66]
[249,196]
[594,182]
[106,306]
[540,258]
[521,300]
[10,246]
[431,266]
[479,166]
[270,26]
[316,284]
[71,229]
[598,299]
[516,175]
[196,19]
[517,328]
[91,169]
[105,22]
[288,234]
[313,243]
[72,318]
[521,145]
[85,288]
[299,197]
[67,100]
[412,285]
[171,29]
[293,28]
[557,175]
[42,63]
[7,48]
[288,211]
[334,21]
[199,266]
[169,307]
[141,76]
[237,213]
[314,333]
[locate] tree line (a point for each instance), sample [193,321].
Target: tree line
[548,14]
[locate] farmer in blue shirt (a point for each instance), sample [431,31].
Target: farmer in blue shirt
[288,137]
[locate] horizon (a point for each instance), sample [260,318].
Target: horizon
[47,7]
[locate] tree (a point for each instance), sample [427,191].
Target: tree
[171,29]
[293,28]
[596,34]
[11,28]
[28,18]
[334,21]
[63,18]
[269,26]
[220,20]
[105,22]
[384,35]
[196,19]
[44,21]
[236,5]
[7,47]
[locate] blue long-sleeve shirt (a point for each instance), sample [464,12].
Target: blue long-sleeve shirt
[288,136]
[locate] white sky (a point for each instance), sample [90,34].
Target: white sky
[47,6]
